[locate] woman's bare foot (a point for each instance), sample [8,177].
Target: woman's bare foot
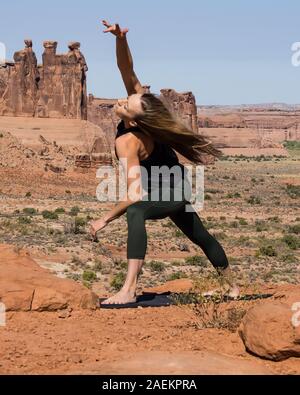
[232,292]
[122,297]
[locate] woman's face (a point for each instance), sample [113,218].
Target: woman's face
[129,108]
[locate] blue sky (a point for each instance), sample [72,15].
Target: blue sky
[225,51]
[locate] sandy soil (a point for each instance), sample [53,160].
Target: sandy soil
[251,209]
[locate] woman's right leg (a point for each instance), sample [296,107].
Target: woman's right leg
[137,214]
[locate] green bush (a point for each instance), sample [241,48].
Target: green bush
[89,275]
[178,233]
[49,215]
[79,224]
[294,229]
[98,266]
[156,266]
[118,281]
[60,210]
[291,241]
[292,145]
[254,200]
[29,211]
[24,220]
[176,276]
[196,260]
[268,250]
[293,191]
[74,211]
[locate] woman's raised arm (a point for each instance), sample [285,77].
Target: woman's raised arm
[124,59]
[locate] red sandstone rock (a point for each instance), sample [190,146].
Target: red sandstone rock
[269,330]
[183,105]
[56,89]
[19,92]
[25,286]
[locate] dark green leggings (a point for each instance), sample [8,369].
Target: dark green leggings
[188,222]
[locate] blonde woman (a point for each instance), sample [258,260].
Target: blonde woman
[146,138]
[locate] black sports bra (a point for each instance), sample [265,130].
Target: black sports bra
[162,154]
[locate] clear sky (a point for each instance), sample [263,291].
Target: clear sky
[225,51]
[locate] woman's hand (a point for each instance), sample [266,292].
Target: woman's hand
[95,226]
[115,29]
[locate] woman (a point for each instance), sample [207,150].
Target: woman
[145,138]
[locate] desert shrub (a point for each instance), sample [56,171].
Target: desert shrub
[28,194]
[178,233]
[97,266]
[74,211]
[253,200]
[24,220]
[293,191]
[49,215]
[294,229]
[176,276]
[118,281]
[196,260]
[120,264]
[156,266]
[77,261]
[29,211]
[292,145]
[79,224]
[274,219]
[268,250]
[89,275]
[60,210]
[291,241]
[260,225]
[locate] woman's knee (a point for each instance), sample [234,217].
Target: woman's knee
[135,211]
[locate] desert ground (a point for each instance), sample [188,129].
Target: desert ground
[251,207]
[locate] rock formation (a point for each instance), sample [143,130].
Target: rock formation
[55,89]
[101,112]
[183,105]
[19,84]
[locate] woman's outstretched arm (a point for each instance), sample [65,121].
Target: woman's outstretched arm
[124,59]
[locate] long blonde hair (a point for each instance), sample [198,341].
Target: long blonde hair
[163,126]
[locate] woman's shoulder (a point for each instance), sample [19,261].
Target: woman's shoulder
[122,130]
